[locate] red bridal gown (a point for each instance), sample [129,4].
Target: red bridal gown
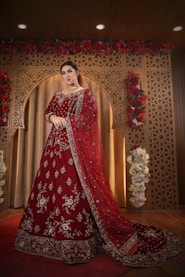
[71,214]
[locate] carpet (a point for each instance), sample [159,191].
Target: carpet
[17,264]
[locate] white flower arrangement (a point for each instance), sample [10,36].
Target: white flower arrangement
[139,171]
[3,169]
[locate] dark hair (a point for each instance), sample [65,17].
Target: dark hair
[73,65]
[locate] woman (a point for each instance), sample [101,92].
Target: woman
[71,214]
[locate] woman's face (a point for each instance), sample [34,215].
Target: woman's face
[70,75]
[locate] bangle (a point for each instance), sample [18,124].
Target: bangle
[50,118]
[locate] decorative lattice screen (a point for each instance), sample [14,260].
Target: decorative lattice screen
[158,133]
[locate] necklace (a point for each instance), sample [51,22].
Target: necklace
[73,87]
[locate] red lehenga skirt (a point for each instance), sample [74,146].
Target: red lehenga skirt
[71,214]
[58,222]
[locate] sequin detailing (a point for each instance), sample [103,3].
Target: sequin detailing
[71,214]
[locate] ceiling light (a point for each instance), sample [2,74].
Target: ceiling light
[100,26]
[22,26]
[177,28]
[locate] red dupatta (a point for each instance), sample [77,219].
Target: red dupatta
[118,235]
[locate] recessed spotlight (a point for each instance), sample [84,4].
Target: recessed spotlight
[177,28]
[22,26]
[100,26]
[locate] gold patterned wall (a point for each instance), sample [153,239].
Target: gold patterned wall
[158,133]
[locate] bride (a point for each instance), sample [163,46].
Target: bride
[71,214]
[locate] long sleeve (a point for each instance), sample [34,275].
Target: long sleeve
[50,110]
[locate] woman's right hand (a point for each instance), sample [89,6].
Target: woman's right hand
[58,121]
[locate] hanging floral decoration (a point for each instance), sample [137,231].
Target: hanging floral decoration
[2,175]
[139,172]
[4,97]
[67,47]
[135,101]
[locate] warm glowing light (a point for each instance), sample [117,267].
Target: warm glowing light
[177,28]
[22,26]
[100,26]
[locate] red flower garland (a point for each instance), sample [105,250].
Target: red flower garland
[135,101]
[67,47]
[4,97]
